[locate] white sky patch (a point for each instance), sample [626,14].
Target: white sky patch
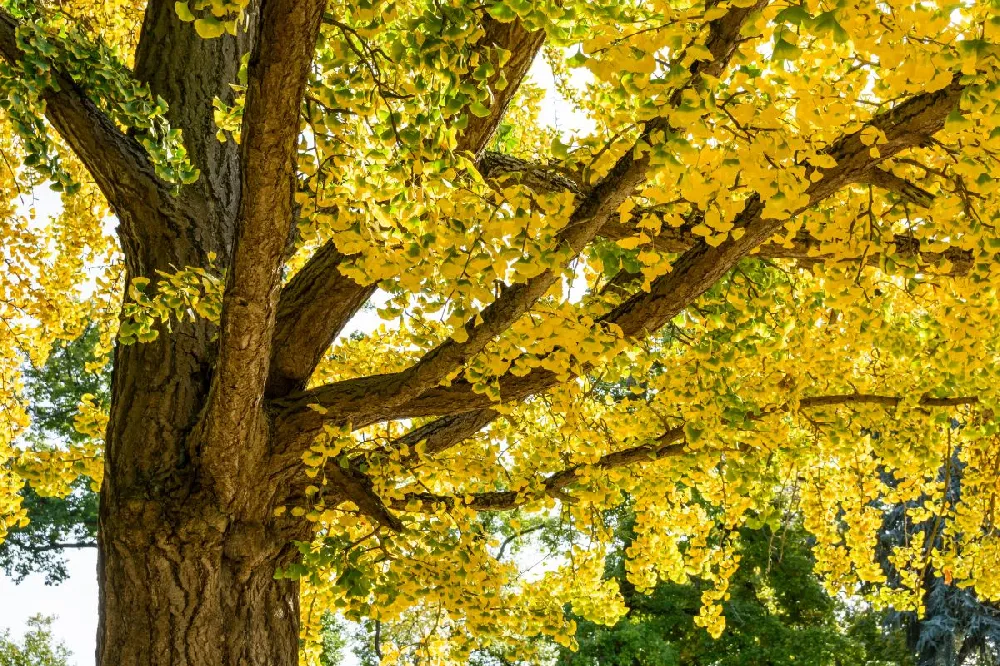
[74,603]
[555,110]
[40,205]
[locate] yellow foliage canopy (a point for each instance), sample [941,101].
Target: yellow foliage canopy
[769,271]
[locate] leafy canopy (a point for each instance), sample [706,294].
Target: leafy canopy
[798,199]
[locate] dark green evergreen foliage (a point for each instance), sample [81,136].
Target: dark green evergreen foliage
[56,524]
[957,629]
[53,393]
[778,614]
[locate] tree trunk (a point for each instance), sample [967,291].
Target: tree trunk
[191,595]
[184,580]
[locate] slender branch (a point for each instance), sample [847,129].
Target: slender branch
[514,537]
[52,546]
[907,191]
[815,402]
[807,250]
[668,445]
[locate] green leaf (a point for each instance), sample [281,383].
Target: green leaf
[827,23]
[693,432]
[560,149]
[794,15]
[502,12]
[479,109]
[785,51]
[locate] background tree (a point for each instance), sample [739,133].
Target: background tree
[954,627]
[777,613]
[36,647]
[54,394]
[803,193]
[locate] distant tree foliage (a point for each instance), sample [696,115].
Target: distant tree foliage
[334,640]
[54,392]
[957,628]
[57,524]
[36,648]
[777,613]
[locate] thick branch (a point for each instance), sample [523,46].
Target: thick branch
[523,47]
[441,434]
[189,73]
[590,215]
[313,309]
[119,165]
[354,399]
[277,78]
[356,487]
[319,301]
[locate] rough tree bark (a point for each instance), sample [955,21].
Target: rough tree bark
[188,544]
[208,424]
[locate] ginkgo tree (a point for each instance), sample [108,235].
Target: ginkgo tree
[780,237]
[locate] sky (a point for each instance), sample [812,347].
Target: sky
[74,602]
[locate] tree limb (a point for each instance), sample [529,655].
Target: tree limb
[907,191]
[319,301]
[313,309]
[190,73]
[354,398]
[118,163]
[665,446]
[523,47]
[808,250]
[905,126]
[278,68]
[385,392]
